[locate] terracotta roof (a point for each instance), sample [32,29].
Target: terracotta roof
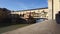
[33,9]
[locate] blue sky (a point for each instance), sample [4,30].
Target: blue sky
[23,4]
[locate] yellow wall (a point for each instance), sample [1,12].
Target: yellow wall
[25,12]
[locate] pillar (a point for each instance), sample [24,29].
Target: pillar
[53,6]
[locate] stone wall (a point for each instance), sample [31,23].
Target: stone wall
[53,6]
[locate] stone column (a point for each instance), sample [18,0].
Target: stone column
[56,7]
[50,9]
[53,6]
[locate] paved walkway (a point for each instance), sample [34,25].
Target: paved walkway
[46,27]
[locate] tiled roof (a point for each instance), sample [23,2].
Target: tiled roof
[33,9]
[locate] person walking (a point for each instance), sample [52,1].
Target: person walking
[58,17]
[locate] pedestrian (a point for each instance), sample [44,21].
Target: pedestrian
[58,17]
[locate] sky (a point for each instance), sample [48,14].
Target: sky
[23,4]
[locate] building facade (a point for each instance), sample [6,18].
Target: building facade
[52,10]
[36,13]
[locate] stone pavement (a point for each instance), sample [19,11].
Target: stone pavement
[46,27]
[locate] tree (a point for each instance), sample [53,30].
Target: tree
[4,16]
[4,13]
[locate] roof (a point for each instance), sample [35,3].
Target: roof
[33,9]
